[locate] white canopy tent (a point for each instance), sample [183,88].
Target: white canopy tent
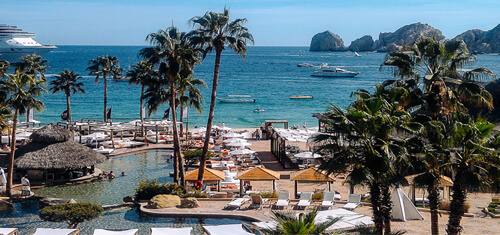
[232,135]
[307,155]
[403,209]
[241,152]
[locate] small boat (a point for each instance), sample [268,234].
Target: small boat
[240,100]
[301,97]
[305,65]
[259,110]
[356,54]
[329,71]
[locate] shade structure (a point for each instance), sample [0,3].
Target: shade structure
[444,181]
[235,140]
[95,136]
[227,229]
[209,175]
[241,152]
[52,148]
[311,175]
[258,174]
[403,209]
[307,155]
[199,130]
[224,128]
[239,144]
[232,135]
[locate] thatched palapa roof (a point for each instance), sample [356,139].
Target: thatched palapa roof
[258,173]
[311,175]
[210,175]
[53,148]
[443,181]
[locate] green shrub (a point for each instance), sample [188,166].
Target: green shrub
[268,195]
[492,207]
[196,194]
[71,213]
[148,190]
[193,156]
[317,196]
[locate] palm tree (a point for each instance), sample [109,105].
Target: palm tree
[22,91]
[193,97]
[141,74]
[175,55]
[105,66]
[215,31]
[33,64]
[290,223]
[4,66]
[67,82]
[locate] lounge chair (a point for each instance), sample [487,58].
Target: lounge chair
[115,232]
[258,201]
[305,200]
[238,202]
[55,231]
[8,231]
[229,229]
[283,199]
[328,200]
[176,231]
[354,201]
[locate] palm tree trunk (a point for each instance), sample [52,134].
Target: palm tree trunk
[68,107]
[457,209]
[105,97]
[142,103]
[386,207]
[12,153]
[433,204]
[177,145]
[203,158]
[378,217]
[181,133]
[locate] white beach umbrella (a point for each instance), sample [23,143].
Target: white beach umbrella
[234,140]
[247,135]
[232,135]
[306,155]
[224,128]
[95,136]
[241,151]
[24,134]
[215,127]
[198,130]
[239,144]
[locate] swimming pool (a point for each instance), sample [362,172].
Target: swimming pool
[138,168]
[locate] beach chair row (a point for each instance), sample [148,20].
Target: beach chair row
[304,201]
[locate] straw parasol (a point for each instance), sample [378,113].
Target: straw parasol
[52,148]
[210,175]
[311,175]
[444,181]
[257,174]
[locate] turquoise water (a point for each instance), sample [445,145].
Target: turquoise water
[268,74]
[138,167]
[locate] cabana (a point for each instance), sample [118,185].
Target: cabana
[211,176]
[52,154]
[257,174]
[444,182]
[311,175]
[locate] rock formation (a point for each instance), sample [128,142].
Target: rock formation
[46,201]
[164,201]
[479,41]
[364,43]
[406,36]
[327,41]
[189,202]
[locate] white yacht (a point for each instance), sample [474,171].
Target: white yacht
[15,43]
[329,71]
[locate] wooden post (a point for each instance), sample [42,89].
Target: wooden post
[218,186]
[296,191]
[241,188]
[157,133]
[112,139]
[329,186]
[274,185]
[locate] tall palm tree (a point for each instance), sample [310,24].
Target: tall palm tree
[105,66]
[33,64]
[67,82]
[214,31]
[4,66]
[175,55]
[190,96]
[22,91]
[289,223]
[141,74]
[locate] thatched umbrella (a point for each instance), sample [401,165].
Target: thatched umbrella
[311,175]
[52,148]
[258,174]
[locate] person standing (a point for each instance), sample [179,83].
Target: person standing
[3,181]
[257,134]
[26,185]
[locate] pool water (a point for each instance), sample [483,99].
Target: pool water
[138,168]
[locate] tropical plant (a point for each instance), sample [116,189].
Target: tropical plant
[67,81]
[193,156]
[21,92]
[149,189]
[214,31]
[71,213]
[105,66]
[141,74]
[33,64]
[5,116]
[288,222]
[190,96]
[4,66]
[175,55]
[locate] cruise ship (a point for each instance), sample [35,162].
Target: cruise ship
[15,43]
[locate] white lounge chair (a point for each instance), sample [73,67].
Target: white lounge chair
[115,232]
[305,200]
[328,200]
[229,229]
[238,202]
[8,231]
[258,201]
[176,231]
[353,203]
[283,199]
[55,231]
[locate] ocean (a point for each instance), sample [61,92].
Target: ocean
[268,74]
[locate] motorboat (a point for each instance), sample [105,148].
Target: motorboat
[15,43]
[305,65]
[237,99]
[301,97]
[357,54]
[259,110]
[330,71]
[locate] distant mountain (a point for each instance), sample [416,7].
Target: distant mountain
[406,36]
[479,41]
[364,43]
[326,41]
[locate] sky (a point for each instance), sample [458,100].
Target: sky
[271,22]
